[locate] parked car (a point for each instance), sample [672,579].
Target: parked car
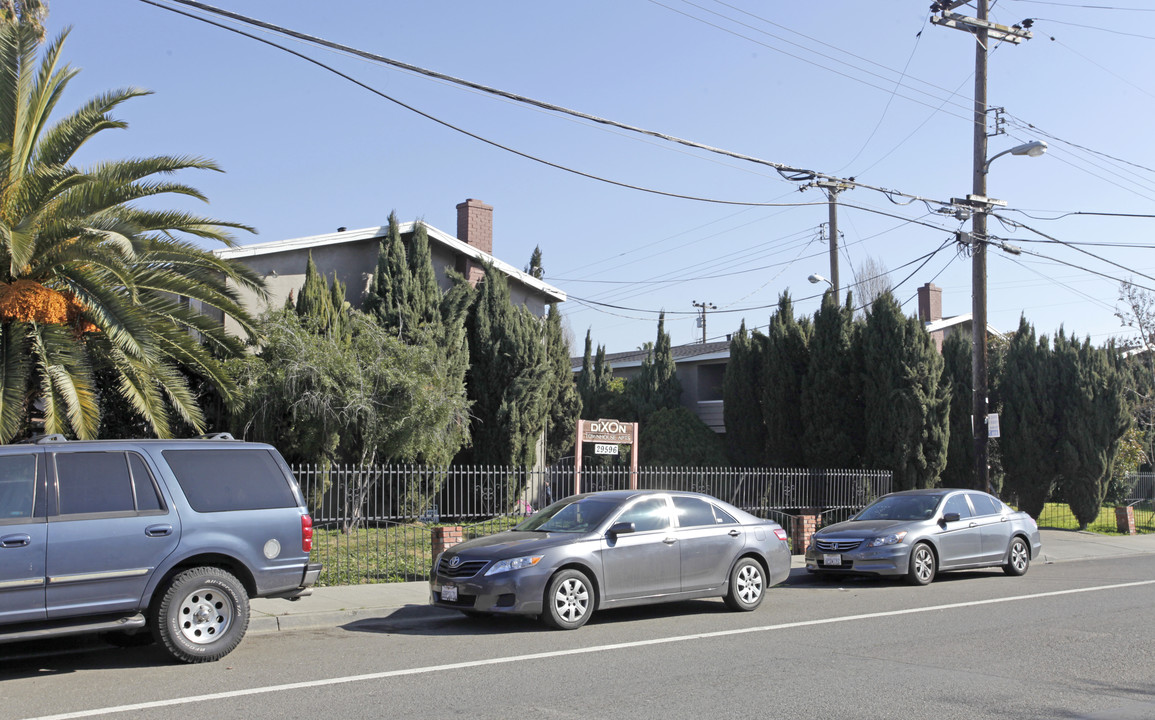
[128,537]
[919,533]
[614,549]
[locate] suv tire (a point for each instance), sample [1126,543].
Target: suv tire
[202,615]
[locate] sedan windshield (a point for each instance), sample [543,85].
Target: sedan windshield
[571,515]
[901,507]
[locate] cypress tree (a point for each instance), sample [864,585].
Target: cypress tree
[787,359]
[831,404]
[741,395]
[906,405]
[389,286]
[1030,421]
[656,386]
[586,380]
[956,355]
[565,404]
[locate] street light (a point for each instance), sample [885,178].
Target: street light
[1034,148]
[815,278]
[982,205]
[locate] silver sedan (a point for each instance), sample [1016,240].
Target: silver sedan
[614,549]
[918,533]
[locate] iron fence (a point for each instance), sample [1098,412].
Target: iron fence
[372,524]
[1135,491]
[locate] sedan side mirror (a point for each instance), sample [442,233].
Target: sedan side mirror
[950,517]
[620,528]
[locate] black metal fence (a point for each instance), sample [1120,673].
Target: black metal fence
[1135,491]
[372,524]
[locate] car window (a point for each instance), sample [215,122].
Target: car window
[224,480]
[17,486]
[694,512]
[901,507]
[985,504]
[649,514]
[577,514]
[93,482]
[958,504]
[147,494]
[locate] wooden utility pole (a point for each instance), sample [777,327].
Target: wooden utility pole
[832,189]
[984,31]
[703,306]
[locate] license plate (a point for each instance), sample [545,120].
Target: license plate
[449,593]
[828,559]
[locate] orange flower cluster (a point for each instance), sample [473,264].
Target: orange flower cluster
[29,301]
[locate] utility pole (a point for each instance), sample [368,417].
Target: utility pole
[832,189]
[984,31]
[703,306]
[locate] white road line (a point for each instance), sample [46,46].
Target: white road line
[562,653]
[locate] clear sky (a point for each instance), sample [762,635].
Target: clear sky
[869,90]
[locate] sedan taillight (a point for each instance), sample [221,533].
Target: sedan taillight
[306,533]
[781,534]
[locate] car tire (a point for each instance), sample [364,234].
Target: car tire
[202,615]
[923,565]
[747,585]
[1018,557]
[569,600]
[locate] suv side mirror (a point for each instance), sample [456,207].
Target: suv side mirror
[620,528]
[950,517]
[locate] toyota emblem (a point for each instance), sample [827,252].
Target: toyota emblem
[455,561]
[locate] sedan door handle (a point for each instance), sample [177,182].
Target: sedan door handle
[973,525]
[670,540]
[13,541]
[158,530]
[734,533]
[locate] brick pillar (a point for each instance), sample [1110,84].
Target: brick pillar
[802,528]
[1125,520]
[446,537]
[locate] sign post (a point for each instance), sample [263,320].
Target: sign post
[607,435]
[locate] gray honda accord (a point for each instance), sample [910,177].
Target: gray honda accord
[614,549]
[918,533]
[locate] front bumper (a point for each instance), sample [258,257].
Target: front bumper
[883,560]
[517,592]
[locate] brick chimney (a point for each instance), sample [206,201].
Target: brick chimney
[929,303]
[475,225]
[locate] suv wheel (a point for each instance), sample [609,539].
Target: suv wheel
[202,615]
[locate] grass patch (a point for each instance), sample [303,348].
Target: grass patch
[1058,516]
[392,553]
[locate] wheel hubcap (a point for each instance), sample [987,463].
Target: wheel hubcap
[205,615]
[1019,555]
[922,564]
[749,584]
[571,600]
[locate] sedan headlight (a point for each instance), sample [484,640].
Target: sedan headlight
[891,539]
[513,564]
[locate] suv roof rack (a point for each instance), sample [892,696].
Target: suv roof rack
[47,439]
[217,436]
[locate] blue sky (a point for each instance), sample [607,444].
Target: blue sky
[841,87]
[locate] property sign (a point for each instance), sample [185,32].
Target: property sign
[602,449]
[607,431]
[993,425]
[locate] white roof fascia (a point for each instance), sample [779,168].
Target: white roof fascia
[440,236]
[945,323]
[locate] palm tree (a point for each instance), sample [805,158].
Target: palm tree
[86,275]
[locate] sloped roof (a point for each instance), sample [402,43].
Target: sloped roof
[681,353]
[453,244]
[944,323]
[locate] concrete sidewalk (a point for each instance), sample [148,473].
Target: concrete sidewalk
[330,607]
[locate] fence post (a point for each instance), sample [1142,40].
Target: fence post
[803,526]
[1125,519]
[446,537]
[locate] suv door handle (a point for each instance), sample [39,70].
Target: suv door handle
[158,530]
[12,541]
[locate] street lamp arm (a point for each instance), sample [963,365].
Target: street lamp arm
[1034,148]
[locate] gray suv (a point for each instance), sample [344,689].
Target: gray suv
[125,537]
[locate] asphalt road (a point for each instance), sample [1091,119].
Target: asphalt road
[1071,640]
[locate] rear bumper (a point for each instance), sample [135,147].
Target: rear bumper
[308,580]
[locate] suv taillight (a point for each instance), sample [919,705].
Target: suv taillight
[306,533]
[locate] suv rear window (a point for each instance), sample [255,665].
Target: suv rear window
[224,480]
